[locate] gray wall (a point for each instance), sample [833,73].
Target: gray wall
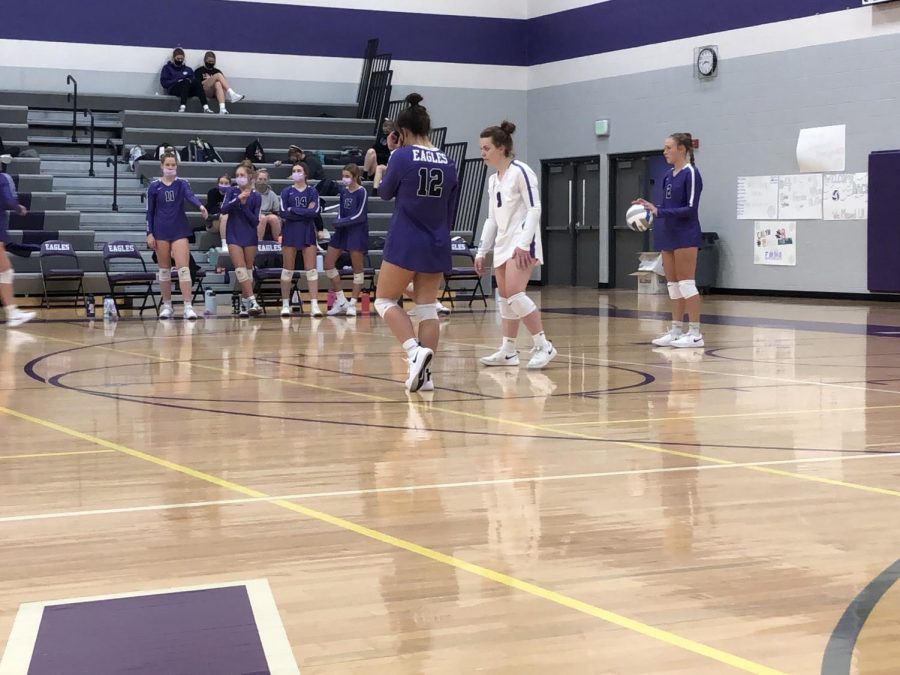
[747,120]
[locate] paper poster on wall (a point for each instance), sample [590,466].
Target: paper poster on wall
[822,148]
[800,197]
[775,242]
[757,197]
[845,196]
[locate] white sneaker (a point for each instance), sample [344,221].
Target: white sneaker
[222,111]
[542,356]
[339,307]
[441,309]
[234,98]
[255,309]
[286,310]
[244,311]
[181,108]
[351,309]
[418,368]
[166,312]
[500,358]
[667,339]
[190,314]
[428,385]
[314,310]
[207,109]
[688,341]
[19,318]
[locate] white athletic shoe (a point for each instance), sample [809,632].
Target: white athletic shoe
[442,309]
[190,314]
[209,110]
[688,341]
[667,339]
[181,108]
[223,111]
[255,309]
[351,309]
[314,310]
[542,356]
[234,98]
[339,307]
[428,385]
[418,368]
[500,358]
[244,311]
[286,311]
[166,312]
[19,318]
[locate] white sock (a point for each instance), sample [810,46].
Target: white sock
[285,302]
[221,107]
[676,327]
[340,296]
[206,107]
[508,346]
[252,299]
[540,340]
[167,303]
[694,328]
[411,346]
[352,301]
[188,304]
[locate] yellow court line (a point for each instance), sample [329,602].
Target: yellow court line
[484,572]
[55,454]
[525,425]
[765,413]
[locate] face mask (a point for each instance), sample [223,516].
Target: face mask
[224,188]
[210,64]
[297,176]
[347,181]
[170,173]
[179,62]
[262,187]
[241,180]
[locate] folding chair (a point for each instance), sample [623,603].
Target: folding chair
[346,271]
[125,267]
[59,263]
[267,274]
[465,272]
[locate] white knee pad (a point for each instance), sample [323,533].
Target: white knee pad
[426,312]
[332,273]
[674,290]
[242,274]
[184,274]
[286,274]
[505,311]
[382,305]
[521,305]
[165,274]
[688,288]
[7,276]
[312,275]
[359,279]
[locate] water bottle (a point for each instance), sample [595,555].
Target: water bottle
[235,303]
[109,308]
[209,303]
[364,302]
[332,296]
[89,306]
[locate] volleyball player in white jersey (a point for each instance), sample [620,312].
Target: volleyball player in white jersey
[513,231]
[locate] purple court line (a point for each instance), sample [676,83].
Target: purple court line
[716,353]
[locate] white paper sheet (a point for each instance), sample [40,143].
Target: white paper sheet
[757,197]
[822,148]
[774,242]
[845,196]
[800,197]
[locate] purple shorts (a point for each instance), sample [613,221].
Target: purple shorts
[298,235]
[351,238]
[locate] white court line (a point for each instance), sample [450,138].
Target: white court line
[434,486]
[20,647]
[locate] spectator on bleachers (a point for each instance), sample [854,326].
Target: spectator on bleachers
[178,80]
[269,208]
[377,156]
[9,201]
[214,200]
[311,159]
[214,83]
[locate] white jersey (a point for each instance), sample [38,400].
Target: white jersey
[514,216]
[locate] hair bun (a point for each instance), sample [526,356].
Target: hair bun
[508,127]
[414,99]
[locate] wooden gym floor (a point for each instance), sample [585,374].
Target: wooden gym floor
[626,510]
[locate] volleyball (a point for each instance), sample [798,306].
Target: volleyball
[639,218]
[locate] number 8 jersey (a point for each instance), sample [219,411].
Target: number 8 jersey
[514,215]
[424,183]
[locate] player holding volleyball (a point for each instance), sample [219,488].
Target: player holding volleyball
[677,234]
[417,249]
[513,231]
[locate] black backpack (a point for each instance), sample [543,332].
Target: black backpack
[255,152]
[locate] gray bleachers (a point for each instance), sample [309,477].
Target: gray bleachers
[81,240]
[211,123]
[13,132]
[33,182]
[13,114]
[149,138]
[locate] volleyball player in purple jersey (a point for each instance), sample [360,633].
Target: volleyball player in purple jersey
[676,232]
[513,231]
[299,206]
[423,181]
[241,205]
[168,232]
[9,201]
[351,234]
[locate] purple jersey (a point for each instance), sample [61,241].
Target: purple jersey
[423,180]
[677,224]
[9,200]
[165,209]
[354,208]
[243,219]
[299,209]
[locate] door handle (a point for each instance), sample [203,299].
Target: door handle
[583,198]
[570,204]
